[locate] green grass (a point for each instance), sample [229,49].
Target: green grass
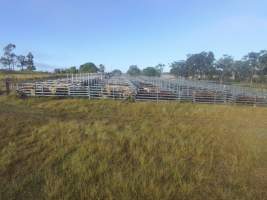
[81,149]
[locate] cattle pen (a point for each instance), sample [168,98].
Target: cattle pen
[141,88]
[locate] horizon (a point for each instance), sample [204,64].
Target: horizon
[118,34]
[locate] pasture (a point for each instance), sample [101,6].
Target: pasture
[103,149]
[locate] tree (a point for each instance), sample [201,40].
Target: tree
[160,68]
[101,68]
[9,58]
[30,63]
[151,71]
[88,68]
[72,70]
[200,64]
[226,66]
[4,61]
[263,62]
[179,68]
[253,61]
[57,71]
[241,69]
[134,70]
[116,72]
[21,62]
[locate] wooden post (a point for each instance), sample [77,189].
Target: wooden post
[7,81]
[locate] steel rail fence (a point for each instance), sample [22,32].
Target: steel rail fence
[141,88]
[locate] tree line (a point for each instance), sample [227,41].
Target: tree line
[201,65]
[88,67]
[204,66]
[148,71]
[134,70]
[10,61]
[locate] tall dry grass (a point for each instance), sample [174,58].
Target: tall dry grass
[81,149]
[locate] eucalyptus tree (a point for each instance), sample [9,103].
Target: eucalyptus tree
[263,60]
[72,70]
[116,72]
[22,62]
[200,64]
[30,62]
[160,68]
[226,66]
[179,68]
[252,60]
[101,68]
[151,71]
[134,70]
[89,67]
[8,60]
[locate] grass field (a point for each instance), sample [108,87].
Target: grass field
[24,75]
[81,149]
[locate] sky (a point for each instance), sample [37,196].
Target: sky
[119,33]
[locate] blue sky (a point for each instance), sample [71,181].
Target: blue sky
[118,33]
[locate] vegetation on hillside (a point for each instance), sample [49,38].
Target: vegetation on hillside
[80,149]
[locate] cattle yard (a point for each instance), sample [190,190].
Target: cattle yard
[105,86]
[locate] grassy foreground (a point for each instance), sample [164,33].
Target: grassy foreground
[81,149]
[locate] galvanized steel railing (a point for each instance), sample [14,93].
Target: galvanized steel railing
[99,85]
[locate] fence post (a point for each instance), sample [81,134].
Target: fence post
[112,92]
[89,92]
[7,82]
[157,95]
[215,94]
[35,89]
[225,96]
[178,90]
[187,93]
[255,101]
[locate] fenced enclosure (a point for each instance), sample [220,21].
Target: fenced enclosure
[98,85]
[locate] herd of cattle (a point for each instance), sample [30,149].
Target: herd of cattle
[138,89]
